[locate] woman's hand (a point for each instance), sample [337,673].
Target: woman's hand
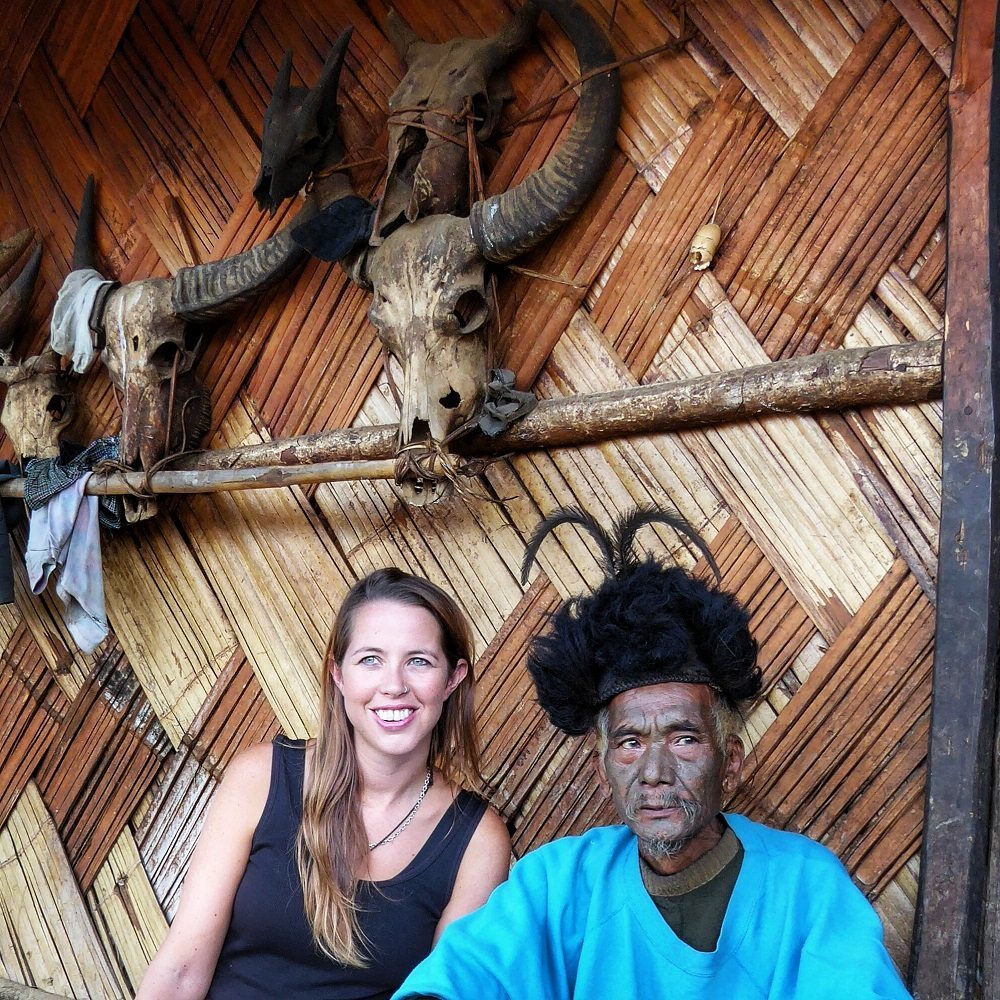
[185,963]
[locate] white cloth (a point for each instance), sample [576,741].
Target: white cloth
[69,333]
[65,533]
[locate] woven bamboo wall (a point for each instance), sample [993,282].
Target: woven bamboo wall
[822,124]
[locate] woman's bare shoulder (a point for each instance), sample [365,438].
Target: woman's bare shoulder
[247,779]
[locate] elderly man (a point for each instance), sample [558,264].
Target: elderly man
[683,901]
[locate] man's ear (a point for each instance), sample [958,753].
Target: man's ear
[732,767]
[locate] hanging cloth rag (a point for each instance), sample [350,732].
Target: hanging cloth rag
[65,535]
[45,477]
[503,403]
[70,333]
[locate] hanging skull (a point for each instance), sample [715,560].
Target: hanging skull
[427,276]
[142,329]
[428,149]
[39,403]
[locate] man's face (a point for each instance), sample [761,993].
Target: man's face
[666,772]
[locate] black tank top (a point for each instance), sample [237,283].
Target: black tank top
[268,951]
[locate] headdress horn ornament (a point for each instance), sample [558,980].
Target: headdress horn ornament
[646,623]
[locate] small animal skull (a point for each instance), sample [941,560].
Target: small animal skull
[38,404]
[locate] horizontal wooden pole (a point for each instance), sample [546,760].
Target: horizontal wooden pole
[835,380]
[9,990]
[223,480]
[906,373]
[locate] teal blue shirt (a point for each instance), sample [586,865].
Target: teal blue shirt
[575,921]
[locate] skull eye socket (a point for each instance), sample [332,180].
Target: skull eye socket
[57,407]
[470,311]
[165,354]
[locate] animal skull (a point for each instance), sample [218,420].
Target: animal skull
[427,276]
[38,404]
[143,327]
[149,356]
[428,152]
[434,329]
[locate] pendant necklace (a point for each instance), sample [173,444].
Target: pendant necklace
[405,821]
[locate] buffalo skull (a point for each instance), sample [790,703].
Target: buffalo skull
[38,404]
[143,329]
[444,83]
[428,276]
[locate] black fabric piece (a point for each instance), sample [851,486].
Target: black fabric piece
[335,231]
[503,403]
[13,512]
[45,477]
[268,951]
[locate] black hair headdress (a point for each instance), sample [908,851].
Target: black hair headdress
[645,624]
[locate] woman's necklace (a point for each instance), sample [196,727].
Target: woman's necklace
[405,821]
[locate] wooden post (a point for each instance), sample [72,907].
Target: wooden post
[951,933]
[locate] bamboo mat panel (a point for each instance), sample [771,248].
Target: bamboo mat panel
[859,728]
[841,222]
[126,913]
[815,134]
[786,54]
[168,619]
[47,938]
[32,707]
[278,577]
[805,480]
[102,760]
[728,158]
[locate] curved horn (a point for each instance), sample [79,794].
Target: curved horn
[330,75]
[14,302]
[512,37]
[509,224]
[84,247]
[11,249]
[402,36]
[207,291]
[283,80]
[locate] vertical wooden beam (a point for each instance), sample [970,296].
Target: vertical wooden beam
[950,934]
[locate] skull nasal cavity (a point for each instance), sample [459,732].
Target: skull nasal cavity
[450,401]
[56,407]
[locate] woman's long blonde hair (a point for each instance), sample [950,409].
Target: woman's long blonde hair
[332,844]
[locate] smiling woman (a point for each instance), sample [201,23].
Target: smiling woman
[328,868]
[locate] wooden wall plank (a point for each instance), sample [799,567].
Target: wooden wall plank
[962,833]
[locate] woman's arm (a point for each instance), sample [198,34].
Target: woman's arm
[485,864]
[183,967]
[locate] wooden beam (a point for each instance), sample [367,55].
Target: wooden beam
[950,935]
[835,380]
[222,480]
